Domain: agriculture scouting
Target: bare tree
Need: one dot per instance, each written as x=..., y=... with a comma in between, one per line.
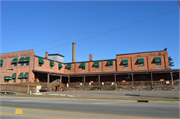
x=171, y=63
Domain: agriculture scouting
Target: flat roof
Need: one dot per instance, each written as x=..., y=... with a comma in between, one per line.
x=140, y=52
x=55, y=54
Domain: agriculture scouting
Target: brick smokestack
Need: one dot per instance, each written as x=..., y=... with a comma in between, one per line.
x=46, y=55
x=90, y=57
x=74, y=52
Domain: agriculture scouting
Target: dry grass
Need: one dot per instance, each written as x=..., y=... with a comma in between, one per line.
x=117, y=98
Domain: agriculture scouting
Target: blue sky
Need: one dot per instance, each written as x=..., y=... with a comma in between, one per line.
x=100, y=28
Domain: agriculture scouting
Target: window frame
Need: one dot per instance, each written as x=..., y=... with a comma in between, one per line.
x=140, y=64
x=26, y=63
x=110, y=66
x=51, y=66
x=21, y=64
x=158, y=64
x=125, y=65
x=83, y=68
x=96, y=67
x=40, y=64
x=14, y=64
x=69, y=69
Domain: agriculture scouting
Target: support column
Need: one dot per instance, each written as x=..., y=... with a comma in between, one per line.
x=115, y=82
x=60, y=82
x=68, y=81
x=151, y=81
x=84, y=80
x=172, y=80
x=132, y=80
x=48, y=81
x=99, y=81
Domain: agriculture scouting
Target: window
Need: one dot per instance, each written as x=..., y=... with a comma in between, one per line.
x=157, y=61
x=27, y=80
x=15, y=64
x=14, y=80
x=110, y=66
x=21, y=80
x=59, y=68
x=40, y=65
x=51, y=67
x=125, y=65
x=22, y=64
x=140, y=64
x=1, y=63
x=83, y=68
x=96, y=67
x=69, y=69
x=27, y=63
x=158, y=64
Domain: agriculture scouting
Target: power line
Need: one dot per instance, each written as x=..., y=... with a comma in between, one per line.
x=110, y=30
x=60, y=17
x=100, y=28
x=46, y=15
x=40, y=12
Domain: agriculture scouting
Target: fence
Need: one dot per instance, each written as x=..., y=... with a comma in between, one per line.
x=18, y=88
x=129, y=83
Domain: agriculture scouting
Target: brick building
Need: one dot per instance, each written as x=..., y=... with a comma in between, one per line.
x=24, y=66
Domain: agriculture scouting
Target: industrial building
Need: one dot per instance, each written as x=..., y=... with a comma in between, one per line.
x=125, y=69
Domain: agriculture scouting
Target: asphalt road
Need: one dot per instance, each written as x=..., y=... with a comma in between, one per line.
x=89, y=107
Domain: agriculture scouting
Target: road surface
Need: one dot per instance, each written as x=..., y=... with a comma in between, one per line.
x=66, y=108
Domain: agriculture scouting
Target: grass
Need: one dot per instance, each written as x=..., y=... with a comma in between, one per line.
x=117, y=98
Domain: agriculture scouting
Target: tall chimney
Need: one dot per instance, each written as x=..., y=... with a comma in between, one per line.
x=46, y=55
x=74, y=52
x=90, y=57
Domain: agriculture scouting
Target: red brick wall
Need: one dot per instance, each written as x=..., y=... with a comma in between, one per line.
x=148, y=61
x=8, y=57
x=46, y=66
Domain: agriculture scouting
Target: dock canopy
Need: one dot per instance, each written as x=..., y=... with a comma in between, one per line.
x=7, y=77
x=27, y=59
x=140, y=60
x=52, y=63
x=68, y=66
x=26, y=75
x=14, y=60
x=20, y=75
x=41, y=61
x=82, y=65
x=60, y=65
x=157, y=59
x=125, y=61
x=110, y=62
x=14, y=76
x=96, y=63
x=21, y=59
